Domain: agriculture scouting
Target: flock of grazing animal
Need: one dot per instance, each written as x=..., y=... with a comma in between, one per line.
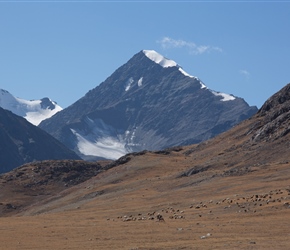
x=274, y=199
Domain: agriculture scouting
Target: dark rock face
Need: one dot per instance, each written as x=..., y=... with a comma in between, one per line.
x=274, y=117
x=144, y=106
x=21, y=142
x=279, y=102
x=46, y=103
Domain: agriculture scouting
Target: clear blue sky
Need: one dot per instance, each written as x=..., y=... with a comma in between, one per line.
x=62, y=49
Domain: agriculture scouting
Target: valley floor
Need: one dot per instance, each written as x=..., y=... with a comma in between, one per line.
x=236, y=212
x=92, y=230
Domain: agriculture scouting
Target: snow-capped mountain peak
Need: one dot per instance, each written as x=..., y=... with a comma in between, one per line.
x=159, y=59
x=166, y=63
x=149, y=103
x=33, y=111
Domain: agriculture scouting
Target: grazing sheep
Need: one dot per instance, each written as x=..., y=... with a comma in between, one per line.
x=159, y=217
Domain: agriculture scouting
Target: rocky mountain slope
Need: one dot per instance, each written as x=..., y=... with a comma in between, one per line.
x=22, y=142
x=148, y=103
x=33, y=111
x=230, y=192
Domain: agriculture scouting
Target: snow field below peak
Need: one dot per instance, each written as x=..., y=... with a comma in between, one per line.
x=106, y=147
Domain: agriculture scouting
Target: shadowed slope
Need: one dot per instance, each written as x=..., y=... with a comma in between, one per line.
x=22, y=142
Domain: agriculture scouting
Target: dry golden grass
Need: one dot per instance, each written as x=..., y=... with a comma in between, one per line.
x=238, y=199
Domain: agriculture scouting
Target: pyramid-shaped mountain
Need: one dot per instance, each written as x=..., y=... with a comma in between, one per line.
x=148, y=103
x=21, y=142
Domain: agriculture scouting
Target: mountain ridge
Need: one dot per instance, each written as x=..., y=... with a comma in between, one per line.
x=33, y=111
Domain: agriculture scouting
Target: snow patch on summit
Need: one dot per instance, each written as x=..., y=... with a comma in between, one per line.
x=166, y=63
x=159, y=59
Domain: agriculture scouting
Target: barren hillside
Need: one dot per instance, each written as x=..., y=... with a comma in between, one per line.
x=231, y=192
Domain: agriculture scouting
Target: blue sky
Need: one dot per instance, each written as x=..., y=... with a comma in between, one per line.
x=62, y=49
